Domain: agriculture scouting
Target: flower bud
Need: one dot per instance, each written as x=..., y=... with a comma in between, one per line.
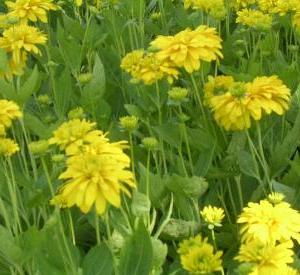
x=76, y=113
x=39, y=147
x=58, y=158
x=44, y=99
x=150, y=143
x=129, y=123
x=85, y=78
x=178, y=94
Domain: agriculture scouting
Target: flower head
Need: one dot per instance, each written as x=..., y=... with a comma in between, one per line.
x=197, y=256
x=95, y=177
x=8, y=147
x=129, y=122
x=18, y=39
x=212, y=215
x=255, y=19
x=74, y=134
x=266, y=258
x=189, y=47
x=267, y=223
x=276, y=197
x=9, y=111
x=30, y=10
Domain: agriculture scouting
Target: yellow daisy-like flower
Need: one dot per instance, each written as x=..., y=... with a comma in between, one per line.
x=96, y=177
x=21, y=38
x=278, y=6
x=255, y=19
x=197, y=256
x=74, y=134
x=242, y=101
x=267, y=259
x=9, y=111
x=216, y=86
x=30, y=10
x=267, y=223
x=8, y=147
x=213, y=216
x=242, y=3
x=147, y=67
x=270, y=94
x=189, y=47
x=15, y=68
x=215, y=8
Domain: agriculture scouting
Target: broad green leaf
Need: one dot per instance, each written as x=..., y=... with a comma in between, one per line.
x=170, y=133
x=30, y=86
x=247, y=164
x=98, y=261
x=136, y=255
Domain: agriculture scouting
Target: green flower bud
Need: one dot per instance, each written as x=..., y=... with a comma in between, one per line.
x=129, y=123
x=150, y=143
x=58, y=158
x=39, y=147
x=44, y=99
x=177, y=95
x=76, y=113
x=85, y=78
x=160, y=251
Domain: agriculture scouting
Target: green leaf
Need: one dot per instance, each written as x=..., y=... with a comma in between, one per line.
x=247, y=164
x=140, y=204
x=7, y=89
x=63, y=87
x=136, y=255
x=30, y=86
x=36, y=126
x=170, y=133
x=9, y=249
x=98, y=261
x=284, y=150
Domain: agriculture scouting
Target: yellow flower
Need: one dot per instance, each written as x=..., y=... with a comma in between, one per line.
x=278, y=6
x=15, y=68
x=267, y=259
x=242, y=3
x=8, y=112
x=270, y=94
x=217, y=85
x=74, y=134
x=212, y=215
x=242, y=101
x=147, y=67
x=267, y=223
x=30, y=10
x=21, y=38
x=197, y=256
x=255, y=19
x=8, y=147
x=2, y=130
x=189, y=47
x=96, y=177
x=215, y=8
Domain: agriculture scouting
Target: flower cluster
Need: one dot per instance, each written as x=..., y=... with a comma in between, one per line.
x=9, y=111
x=215, y=8
x=267, y=232
x=97, y=169
x=186, y=49
x=234, y=104
x=19, y=38
x=197, y=256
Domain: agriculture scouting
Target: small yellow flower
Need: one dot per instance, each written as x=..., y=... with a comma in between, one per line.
x=267, y=258
x=30, y=10
x=267, y=223
x=213, y=216
x=74, y=134
x=242, y=3
x=18, y=39
x=255, y=19
x=278, y=6
x=189, y=48
x=8, y=147
x=9, y=111
x=197, y=256
x=95, y=177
